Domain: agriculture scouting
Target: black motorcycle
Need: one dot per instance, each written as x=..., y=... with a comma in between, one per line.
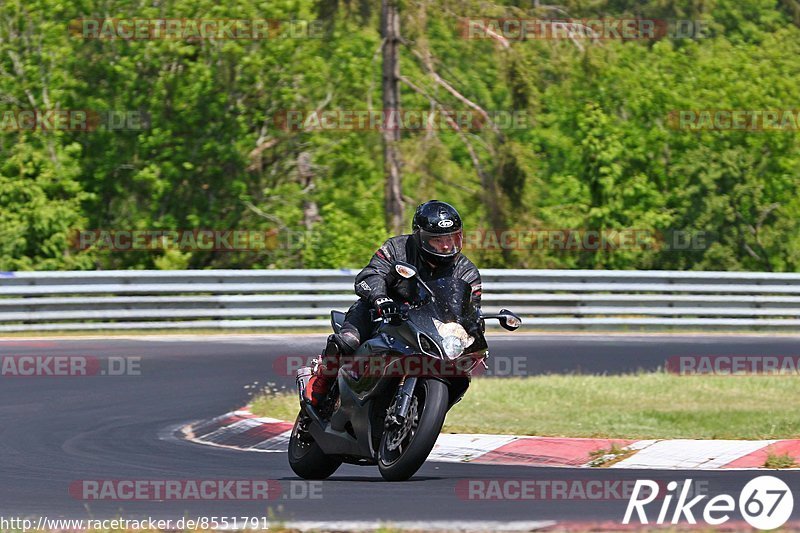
x=390, y=398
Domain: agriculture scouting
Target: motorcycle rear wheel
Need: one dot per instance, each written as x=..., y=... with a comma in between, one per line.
x=398, y=462
x=306, y=458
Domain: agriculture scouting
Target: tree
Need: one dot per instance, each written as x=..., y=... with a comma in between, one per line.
x=390, y=32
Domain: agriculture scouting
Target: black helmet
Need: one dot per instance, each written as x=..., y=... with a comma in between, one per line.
x=437, y=231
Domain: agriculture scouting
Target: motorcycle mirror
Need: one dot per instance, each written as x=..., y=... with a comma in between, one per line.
x=405, y=270
x=509, y=320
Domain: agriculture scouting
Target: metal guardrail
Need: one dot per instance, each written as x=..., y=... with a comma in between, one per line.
x=285, y=299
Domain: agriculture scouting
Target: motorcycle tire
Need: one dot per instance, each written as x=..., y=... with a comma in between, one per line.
x=403, y=462
x=306, y=458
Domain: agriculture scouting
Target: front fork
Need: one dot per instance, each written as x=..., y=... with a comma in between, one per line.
x=405, y=392
x=402, y=402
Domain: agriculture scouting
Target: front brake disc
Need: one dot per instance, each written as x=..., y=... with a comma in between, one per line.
x=398, y=434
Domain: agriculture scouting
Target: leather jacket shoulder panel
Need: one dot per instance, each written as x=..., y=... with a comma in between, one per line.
x=371, y=282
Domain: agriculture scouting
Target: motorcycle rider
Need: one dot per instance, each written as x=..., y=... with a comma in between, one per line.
x=434, y=248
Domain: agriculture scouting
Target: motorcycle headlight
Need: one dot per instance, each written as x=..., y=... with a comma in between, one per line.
x=452, y=346
x=455, y=338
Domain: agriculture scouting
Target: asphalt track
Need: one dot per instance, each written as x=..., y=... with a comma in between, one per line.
x=56, y=430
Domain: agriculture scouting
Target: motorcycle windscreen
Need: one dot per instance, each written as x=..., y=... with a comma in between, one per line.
x=452, y=302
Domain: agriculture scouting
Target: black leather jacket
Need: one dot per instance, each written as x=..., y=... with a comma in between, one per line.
x=371, y=282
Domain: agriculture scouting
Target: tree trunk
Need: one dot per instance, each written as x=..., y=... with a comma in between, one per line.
x=393, y=196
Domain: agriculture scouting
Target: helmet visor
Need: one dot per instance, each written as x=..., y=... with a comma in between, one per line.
x=441, y=244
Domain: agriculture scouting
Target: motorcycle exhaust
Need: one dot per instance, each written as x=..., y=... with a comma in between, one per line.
x=304, y=374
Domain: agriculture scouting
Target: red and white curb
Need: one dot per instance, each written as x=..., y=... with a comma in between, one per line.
x=242, y=430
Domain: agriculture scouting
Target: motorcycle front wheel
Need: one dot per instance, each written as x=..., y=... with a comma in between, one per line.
x=306, y=458
x=405, y=448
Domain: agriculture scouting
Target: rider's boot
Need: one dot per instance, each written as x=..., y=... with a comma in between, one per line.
x=324, y=376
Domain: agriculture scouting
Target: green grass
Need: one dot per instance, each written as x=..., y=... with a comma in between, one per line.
x=783, y=460
x=641, y=406
x=606, y=458
x=281, y=405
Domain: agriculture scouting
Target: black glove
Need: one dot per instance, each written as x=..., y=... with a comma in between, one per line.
x=387, y=307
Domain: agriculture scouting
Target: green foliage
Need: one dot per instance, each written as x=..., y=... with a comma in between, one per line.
x=39, y=206
x=598, y=151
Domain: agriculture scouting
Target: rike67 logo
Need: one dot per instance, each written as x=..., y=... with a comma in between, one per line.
x=765, y=503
